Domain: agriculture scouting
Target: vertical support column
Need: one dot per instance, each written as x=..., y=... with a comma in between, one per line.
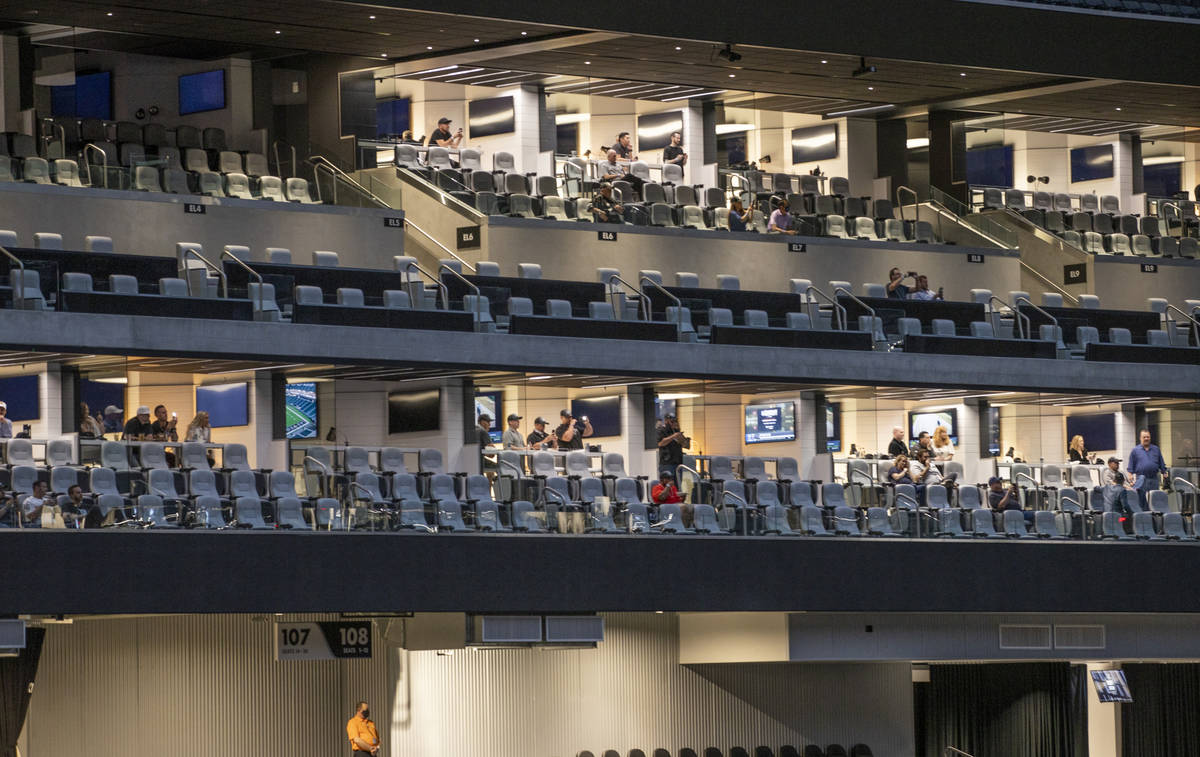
x=860, y=155
x=815, y=461
x=700, y=168
x=891, y=157
x=10, y=84
x=638, y=419
x=1104, y=721
x=948, y=153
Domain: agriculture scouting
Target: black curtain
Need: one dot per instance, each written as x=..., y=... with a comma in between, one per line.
x=16, y=686
x=1161, y=720
x=1013, y=709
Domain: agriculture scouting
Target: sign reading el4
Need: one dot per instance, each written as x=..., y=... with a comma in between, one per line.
x=323, y=640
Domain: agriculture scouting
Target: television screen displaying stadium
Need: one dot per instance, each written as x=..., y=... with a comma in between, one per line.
x=300, y=405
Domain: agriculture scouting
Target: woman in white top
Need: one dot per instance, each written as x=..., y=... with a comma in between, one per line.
x=198, y=430
x=943, y=448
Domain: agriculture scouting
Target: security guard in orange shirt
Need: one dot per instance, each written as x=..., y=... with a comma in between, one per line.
x=361, y=730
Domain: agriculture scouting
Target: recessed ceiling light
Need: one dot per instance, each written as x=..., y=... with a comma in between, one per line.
x=871, y=88
x=731, y=76
x=677, y=47
x=429, y=47
x=372, y=18
x=108, y=14
x=824, y=61
x=961, y=74
x=587, y=63
x=278, y=32
x=524, y=33
x=1118, y=107
x=385, y=55
x=476, y=40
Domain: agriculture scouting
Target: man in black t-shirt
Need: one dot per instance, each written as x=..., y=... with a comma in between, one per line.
x=604, y=208
x=671, y=444
x=571, y=432
x=539, y=438
x=624, y=146
x=139, y=426
x=442, y=136
x=673, y=153
x=897, y=445
x=485, y=441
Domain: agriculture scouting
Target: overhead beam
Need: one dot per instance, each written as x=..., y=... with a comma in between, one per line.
x=490, y=53
x=991, y=100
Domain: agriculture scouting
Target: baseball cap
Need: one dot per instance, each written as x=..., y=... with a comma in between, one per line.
x=538, y=420
x=113, y=410
x=143, y=410
x=4, y=405
x=1114, y=459
x=995, y=480
x=443, y=120
x=564, y=413
x=514, y=417
x=484, y=417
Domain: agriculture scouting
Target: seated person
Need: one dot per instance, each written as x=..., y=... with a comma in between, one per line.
x=610, y=170
x=781, y=219
x=442, y=136
x=1108, y=476
x=139, y=427
x=7, y=510
x=1114, y=493
x=666, y=493
x=74, y=511
x=32, y=506
x=898, y=473
x=922, y=291
x=896, y=289
x=738, y=216
x=89, y=427
x=1001, y=499
x=604, y=209
x=163, y=428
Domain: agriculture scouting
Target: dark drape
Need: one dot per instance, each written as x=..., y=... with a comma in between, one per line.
x=1161, y=720
x=1011, y=709
x=16, y=685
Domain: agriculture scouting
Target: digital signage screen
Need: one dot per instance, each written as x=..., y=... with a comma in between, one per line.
x=775, y=422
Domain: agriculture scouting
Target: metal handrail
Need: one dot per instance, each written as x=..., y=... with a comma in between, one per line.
x=88, y=164
x=956, y=751
x=1039, y=309
x=900, y=203
x=18, y=291
x=839, y=309
x=478, y=301
x=1018, y=316
x=643, y=302
x=46, y=140
x=563, y=500
x=1032, y=480
x=1048, y=282
x=412, y=264
x=320, y=162
x=1185, y=481
x=860, y=303
x=251, y=271
x=1178, y=210
x=689, y=469
x=275, y=150
x=441, y=246
x=1195, y=323
x=659, y=287
x=191, y=252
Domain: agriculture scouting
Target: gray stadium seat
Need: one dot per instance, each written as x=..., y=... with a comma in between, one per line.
x=211, y=185
x=983, y=526
x=297, y=190
x=350, y=297
x=66, y=173
x=237, y=185
x=558, y=308
x=325, y=259
x=1089, y=301
x=271, y=188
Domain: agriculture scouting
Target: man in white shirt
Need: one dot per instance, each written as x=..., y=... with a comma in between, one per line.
x=31, y=508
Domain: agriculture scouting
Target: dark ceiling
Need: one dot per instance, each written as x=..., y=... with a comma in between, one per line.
x=768, y=78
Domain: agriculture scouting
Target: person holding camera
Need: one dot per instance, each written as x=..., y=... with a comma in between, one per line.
x=571, y=432
x=896, y=288
x=671, y=444
x=1001, y=499
x=441, y=137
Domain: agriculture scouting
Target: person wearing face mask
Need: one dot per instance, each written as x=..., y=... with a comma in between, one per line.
x=361, y=731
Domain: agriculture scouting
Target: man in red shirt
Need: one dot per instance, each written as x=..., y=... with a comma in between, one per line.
x=666, y=493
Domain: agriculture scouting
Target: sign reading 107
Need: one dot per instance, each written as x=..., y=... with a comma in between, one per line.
x=325, y=640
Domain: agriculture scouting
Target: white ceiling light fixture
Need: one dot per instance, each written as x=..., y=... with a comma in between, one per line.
x=869, y=109
x=695, y=94
x=1159, y=160
x=917, y=143
x=733, y=128
x=571, y=118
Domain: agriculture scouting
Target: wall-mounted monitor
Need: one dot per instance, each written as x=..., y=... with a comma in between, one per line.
x=20, y=393
x=393, y=117
x=487, y=118
x=89, y=97
x=1091, y=163
x=492, y=403
x=993, y=437
x=300, y=407
x=833, y=427
x=813, y=143
x=654, y=129
x=1099, y=430
x=928, y=420
x=1111, y=686
x=990, y=166
x=1162, y=179
x=414, y=411
x=604, y=413
x=201, y=92
x=775, y=422
x=226, y=404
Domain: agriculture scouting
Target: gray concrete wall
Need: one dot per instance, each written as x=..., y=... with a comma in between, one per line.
x=571, y=250
x=150, y=224
x=1121, y=282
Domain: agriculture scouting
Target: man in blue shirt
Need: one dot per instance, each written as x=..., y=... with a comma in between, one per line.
x=1147, y=462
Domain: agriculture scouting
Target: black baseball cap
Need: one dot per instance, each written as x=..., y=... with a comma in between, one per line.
x=538, y=420
x=995, y=480
x=443, y=120
x=485, y=417
x=514, y=417
x=1114, y=459
x=564, y=413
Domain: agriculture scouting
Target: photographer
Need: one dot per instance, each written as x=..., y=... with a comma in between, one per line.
x=1001, y=499
x=671, y=444
x=442, y=137
x=571, y=432
x=896, y=288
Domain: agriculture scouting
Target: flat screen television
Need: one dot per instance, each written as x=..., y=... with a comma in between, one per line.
x=990, y=166
x=89, y=97
x=1111, y=686
x=1091, y=163
x=931, y=419
x=201, y=92
x=492, y=403
x=774, y=422
x=993, y=442
x=604, y=413
x=300, y=407
x=1099, y=430
x=419, y=410
x=226, y=404
x=20, y=393
x=813, y=143
x=663, y=408
x=487, y=118
x=1162, y=180
x=392, y=117
x=833, y=427
x=654, y=129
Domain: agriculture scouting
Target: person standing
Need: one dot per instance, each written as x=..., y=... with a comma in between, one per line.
x=673, y=153
x=441, y=137
x=1146, y=461
x=485, y=442
x=897, y=446
x=539, y=438
x=89, y=427
x=512, y=435
x=198, y=430
x=624, y=147
x=671, y=444
x=5, y=423
x=570, y=432
x=361, y=731
x=943, y=448
x=896, y=288
x=1077, y=452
